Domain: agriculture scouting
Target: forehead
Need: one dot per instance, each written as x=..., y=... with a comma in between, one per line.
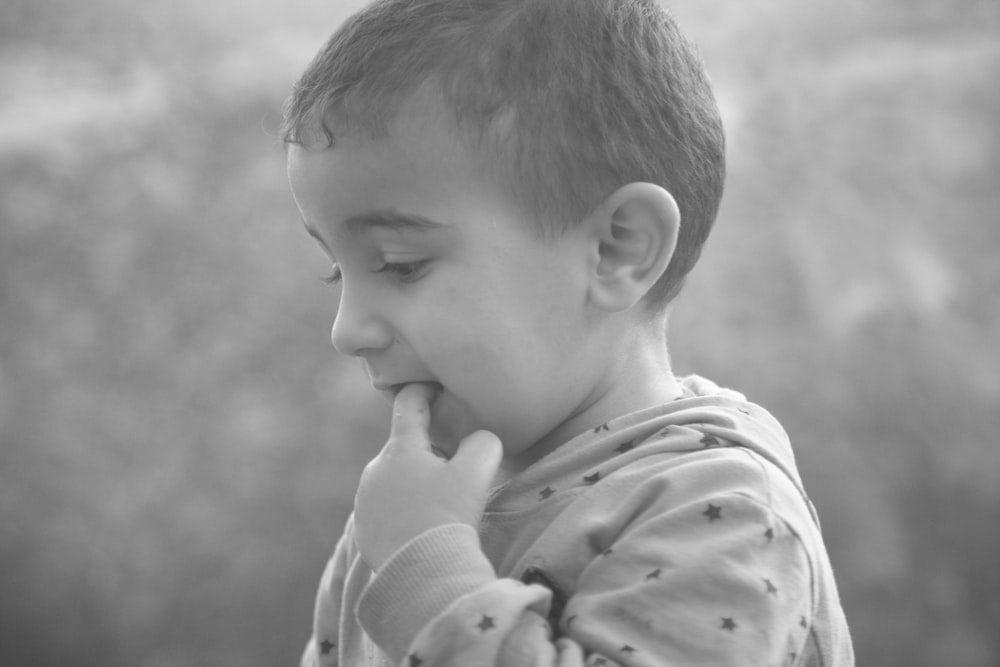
x=420, y=165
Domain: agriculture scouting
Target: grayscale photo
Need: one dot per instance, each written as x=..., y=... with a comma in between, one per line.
x=475, y=333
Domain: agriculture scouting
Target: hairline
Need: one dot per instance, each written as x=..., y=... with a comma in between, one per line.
x=525, y=154
x=320, y=124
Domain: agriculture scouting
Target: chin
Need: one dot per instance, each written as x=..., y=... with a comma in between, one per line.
x=450, y=423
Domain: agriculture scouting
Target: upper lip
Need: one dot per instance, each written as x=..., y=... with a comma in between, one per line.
x=389, y=386
x=396, y=387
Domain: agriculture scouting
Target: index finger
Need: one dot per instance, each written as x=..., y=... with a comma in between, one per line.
x=411, y=411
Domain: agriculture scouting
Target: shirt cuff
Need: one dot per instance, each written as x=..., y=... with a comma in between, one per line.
x=422, y=579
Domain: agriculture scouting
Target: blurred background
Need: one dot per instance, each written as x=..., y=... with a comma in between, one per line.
x=179, y=445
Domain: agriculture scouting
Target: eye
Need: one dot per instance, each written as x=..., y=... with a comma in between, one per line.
x=406, y=272
x=334, y=276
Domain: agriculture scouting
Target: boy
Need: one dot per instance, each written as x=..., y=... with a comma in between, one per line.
x=511, y=192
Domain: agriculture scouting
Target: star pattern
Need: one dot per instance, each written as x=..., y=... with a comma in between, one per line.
x=625, y=446
x=712, y=513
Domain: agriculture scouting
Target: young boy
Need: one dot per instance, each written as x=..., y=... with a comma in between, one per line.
x=511, y=193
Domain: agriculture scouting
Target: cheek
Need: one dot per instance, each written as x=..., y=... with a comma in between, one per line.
x=494, y=356
x=480, y=377
x=492, y=353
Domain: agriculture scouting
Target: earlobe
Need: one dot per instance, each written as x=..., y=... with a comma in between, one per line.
x=635, y=231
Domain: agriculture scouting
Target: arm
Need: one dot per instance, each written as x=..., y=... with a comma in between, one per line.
x=326, y=617
x=676, y=588
x=708, y=574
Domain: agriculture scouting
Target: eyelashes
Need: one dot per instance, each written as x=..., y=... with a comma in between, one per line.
x=404, y=272
x=334, y=278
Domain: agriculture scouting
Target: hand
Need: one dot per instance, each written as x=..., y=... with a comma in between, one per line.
x=408, y=489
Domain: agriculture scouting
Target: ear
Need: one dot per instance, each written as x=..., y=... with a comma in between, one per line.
x=635, y=232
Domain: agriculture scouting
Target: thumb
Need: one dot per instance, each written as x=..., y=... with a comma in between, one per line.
x=478, y=458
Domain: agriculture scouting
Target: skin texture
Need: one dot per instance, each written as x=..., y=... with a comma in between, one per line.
x=449, y=491
x=533, y=342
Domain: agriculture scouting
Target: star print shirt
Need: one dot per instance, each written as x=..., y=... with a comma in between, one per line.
x=677, y=535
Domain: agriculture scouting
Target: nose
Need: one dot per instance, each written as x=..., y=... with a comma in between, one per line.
x=358, y=327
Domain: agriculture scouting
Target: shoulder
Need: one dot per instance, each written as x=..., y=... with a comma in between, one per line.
x=723, y=481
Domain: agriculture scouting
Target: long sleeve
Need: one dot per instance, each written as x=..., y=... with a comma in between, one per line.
x=680, y=535
x=322, y=648
x=426, y=592
x=721, y=580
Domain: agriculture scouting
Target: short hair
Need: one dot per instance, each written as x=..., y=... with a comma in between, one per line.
x=575, y=98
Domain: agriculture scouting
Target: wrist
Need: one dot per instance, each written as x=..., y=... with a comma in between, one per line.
x=419, y=581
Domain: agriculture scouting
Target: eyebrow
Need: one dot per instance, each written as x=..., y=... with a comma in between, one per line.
x=383, y=219
x=393, y=220
x=313, y=233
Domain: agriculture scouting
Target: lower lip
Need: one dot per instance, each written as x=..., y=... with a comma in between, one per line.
x=390, y=393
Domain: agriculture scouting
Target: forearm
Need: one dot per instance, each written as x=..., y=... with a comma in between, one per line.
x=437, y=601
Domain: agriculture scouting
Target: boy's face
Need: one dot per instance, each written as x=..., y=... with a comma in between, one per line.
x=443, y=280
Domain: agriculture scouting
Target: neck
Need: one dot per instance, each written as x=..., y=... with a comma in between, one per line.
x=638, y=377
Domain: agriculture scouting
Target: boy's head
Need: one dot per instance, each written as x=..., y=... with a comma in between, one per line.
x=492, y=181
x=566, y=101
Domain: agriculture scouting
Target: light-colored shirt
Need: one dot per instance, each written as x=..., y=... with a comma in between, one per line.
x=677, y=535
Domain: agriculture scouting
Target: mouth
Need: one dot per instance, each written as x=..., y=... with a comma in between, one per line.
x=389, y=391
